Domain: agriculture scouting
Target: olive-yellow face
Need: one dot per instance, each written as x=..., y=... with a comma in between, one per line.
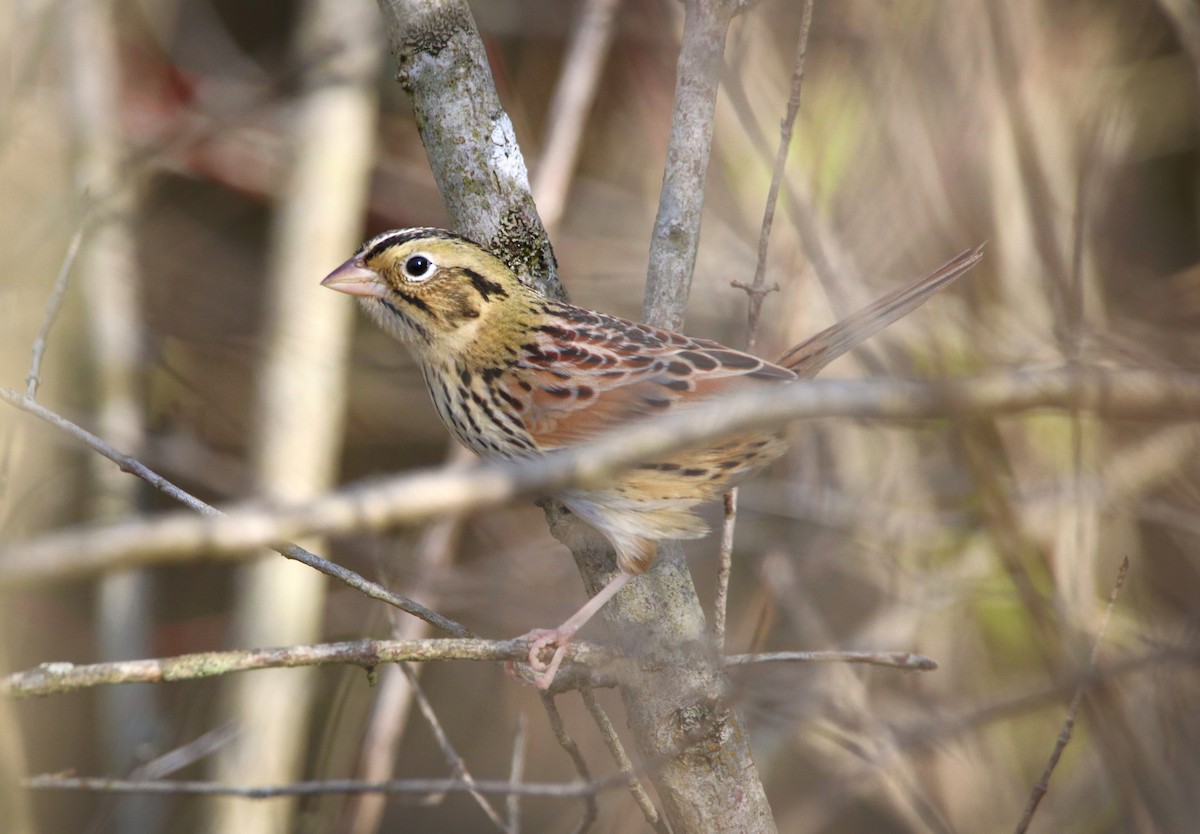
x=427, y=287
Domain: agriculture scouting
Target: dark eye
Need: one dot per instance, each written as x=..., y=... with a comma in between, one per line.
x=417, y=267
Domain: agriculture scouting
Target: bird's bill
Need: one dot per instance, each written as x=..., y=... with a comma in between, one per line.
x=354, y=278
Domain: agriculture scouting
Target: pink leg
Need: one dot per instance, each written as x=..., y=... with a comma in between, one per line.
x=561, y=637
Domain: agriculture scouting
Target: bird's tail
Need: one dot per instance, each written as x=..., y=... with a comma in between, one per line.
x=810, y=356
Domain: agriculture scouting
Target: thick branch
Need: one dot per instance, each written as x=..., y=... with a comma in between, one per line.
x=468, y=137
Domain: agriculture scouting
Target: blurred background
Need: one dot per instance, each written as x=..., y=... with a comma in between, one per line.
x=170, y=145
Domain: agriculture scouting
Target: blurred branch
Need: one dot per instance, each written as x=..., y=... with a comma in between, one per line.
x=53, y=306
x=516, y=772
x=1185, y=18
x=1043, y=783
x=299, y=554
x=573, y=98
x=334, y=786
x=900, y=660
x=299, y=390
x=407, y=499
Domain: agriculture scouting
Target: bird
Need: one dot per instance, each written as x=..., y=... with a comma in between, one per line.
x=515, y=374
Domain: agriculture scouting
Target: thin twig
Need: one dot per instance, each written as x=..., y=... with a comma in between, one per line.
x=572, y=750
x=758, y=290
x=457, y=766
x=291, y=551
x=516, y=773
x=53, y=307
x=609, y=733
x=185, y=755
x=1064, y=737
x=899, y=660
x=566, y=790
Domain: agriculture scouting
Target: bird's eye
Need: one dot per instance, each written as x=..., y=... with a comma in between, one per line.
x=417, y=268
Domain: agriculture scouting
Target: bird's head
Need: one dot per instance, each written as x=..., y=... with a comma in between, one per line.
x=431, y=288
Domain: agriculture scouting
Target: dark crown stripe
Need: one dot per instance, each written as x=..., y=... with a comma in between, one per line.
x=385, y=241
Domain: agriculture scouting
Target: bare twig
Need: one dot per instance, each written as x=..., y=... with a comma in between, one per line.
x=757, y=289
x=1064, y=737
x=1131, y=394
x=185, y=755
x=609, y=733
x=457, y=766
x=57, y=678
x=572, y=750
x=900, y=660
x=53, y=306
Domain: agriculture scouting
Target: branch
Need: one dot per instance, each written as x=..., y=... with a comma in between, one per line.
x=677, y=226
x=566, y=790
x=1064, y=737
x=413, y=498
x=58, y=678
x=468, y=137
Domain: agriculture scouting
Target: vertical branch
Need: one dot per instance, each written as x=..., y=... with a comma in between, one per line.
x=757, y=290
x=677, y=226
x=301, y=388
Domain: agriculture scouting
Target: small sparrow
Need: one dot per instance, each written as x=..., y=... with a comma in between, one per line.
x=514, y=374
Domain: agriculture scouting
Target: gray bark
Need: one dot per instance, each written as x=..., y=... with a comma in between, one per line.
x=694, y=744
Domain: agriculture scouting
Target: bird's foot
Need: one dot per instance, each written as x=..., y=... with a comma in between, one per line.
x=543, y=638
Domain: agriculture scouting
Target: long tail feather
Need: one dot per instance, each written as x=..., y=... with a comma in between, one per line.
x=809, y=357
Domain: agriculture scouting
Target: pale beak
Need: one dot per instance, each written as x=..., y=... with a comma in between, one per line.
x=354, y=278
